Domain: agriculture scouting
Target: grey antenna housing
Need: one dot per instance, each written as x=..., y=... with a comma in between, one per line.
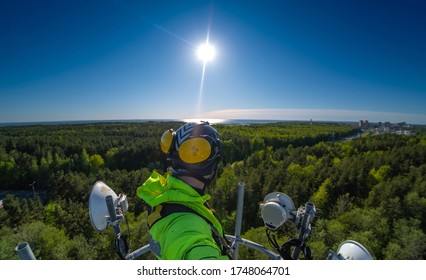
x=276, y=209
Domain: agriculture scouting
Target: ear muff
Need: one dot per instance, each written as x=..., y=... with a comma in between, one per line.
x=195, y=150
x=167, y=141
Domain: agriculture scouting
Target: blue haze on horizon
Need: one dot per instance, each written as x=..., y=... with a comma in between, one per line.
x=277, y=60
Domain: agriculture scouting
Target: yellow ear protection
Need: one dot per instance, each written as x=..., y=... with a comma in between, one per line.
x=192, y=150
x=167, y=140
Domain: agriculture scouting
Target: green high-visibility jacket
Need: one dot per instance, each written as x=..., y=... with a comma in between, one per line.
x=180, y=235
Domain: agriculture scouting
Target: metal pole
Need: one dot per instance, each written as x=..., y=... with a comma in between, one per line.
x=309, y=206
x=253, y=245
x=112, y=214
x=120, y=243
x=135, y=254
x=239, y=217
x=24, y=251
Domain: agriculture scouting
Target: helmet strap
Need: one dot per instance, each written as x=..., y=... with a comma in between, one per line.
x=184, y=172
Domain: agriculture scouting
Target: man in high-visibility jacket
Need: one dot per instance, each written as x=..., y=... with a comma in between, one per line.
x=182, y=226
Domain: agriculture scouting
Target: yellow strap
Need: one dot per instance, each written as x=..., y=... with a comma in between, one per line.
x=155, y=215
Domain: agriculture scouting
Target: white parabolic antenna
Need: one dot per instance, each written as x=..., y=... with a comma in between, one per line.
x=352, y=250
x=98, y=210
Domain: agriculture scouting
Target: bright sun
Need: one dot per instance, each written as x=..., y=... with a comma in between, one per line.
x=206, y=52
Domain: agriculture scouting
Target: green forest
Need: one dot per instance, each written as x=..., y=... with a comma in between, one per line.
x=371, y=189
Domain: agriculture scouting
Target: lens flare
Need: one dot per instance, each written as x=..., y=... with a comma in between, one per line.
x=206, y=53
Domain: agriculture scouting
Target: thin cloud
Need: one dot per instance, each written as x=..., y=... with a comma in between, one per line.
x=316, y=115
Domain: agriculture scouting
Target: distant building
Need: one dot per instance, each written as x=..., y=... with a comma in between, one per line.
x=363, y=124
x=401, y=128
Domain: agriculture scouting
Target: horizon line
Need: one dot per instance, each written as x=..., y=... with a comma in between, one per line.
x=211, y=121
x=326, y=115
x=301, y=115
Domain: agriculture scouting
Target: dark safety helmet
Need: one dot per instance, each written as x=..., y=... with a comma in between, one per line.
x=194, y=149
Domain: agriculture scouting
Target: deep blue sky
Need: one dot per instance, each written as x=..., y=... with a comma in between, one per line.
x=287, y=59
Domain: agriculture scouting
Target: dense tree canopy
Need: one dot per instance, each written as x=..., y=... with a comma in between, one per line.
x=371, y=189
